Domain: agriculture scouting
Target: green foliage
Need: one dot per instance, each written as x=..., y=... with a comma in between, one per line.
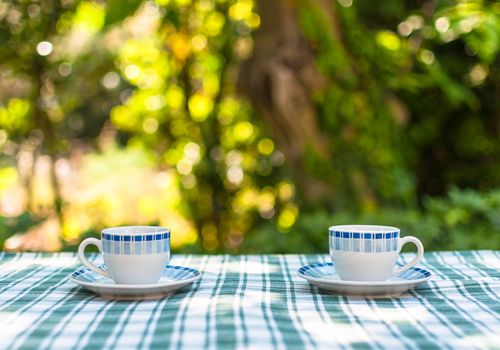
x=184, y=109
x=405, y=86
x=465, y=219
x=118, y=10
x=12, y=225
x=409, y=107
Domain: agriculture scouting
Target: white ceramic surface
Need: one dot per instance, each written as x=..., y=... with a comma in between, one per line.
x=132, y=254
x=369, y=252
x=172, y=279
x=325, y=276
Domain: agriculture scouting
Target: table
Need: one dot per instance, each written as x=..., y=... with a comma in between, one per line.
x=250, y=301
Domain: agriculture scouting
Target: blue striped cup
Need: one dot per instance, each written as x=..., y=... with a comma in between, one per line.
x=369, y=252
x=132, y=254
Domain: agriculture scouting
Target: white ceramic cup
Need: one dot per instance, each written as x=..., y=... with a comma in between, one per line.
x=369, y=252
x=132, y=254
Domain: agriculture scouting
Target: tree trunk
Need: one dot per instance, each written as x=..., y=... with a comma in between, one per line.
x=279, y=80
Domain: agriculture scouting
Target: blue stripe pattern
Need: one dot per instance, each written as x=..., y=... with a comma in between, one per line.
x=136, y=238
x=364, y=235
x=320, y=270
x=145, y=244
x=171, y=272
x=367, y=242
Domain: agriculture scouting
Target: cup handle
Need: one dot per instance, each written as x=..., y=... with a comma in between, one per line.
x=81, y=255
x=420, y=253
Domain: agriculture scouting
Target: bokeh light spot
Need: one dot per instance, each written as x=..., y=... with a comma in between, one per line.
x=154, y=103
x=65, y=69
x=478, y=74
x=243, y=131
x=265, y=146
x=442, y=24
x=287, y=218
x=199, y=42
x=111, y=80
x=200, y=107
x=345, y=3
x=132, y=71
x=404, y=28
x=234, y=158
x=389, y=40
x=240, y=10
x=286, y=191
x=150, y=125
x=253, y=21
x=44, y=48
x=214, y=23
x=184, y=166
x=175, y=97
x=426, y=56
x=266, y=201
x=192, y=152
x=235, y=175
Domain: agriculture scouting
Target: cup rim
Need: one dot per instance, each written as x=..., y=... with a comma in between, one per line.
x=364, y=228
x=134, y=230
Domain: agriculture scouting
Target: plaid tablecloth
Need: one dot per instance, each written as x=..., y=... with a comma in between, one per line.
x=255, y=302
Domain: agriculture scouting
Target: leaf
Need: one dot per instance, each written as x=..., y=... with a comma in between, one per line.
x=118, y=10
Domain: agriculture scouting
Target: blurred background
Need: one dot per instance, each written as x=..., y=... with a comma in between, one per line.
x=249, y=126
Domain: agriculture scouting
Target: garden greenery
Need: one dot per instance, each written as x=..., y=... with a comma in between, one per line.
x=133, y=112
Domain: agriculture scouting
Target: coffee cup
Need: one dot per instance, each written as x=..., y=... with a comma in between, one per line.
x=369, y=252
x=132, y=254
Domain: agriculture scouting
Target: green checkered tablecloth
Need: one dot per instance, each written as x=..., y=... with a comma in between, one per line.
x=250, y=301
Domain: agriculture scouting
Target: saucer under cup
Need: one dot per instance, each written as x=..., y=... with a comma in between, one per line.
x=369, y=252
x=173, y=278
x=132, y=254
x=324, y=276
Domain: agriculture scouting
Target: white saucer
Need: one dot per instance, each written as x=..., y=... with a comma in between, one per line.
x=324, y=276
x=173, y=278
